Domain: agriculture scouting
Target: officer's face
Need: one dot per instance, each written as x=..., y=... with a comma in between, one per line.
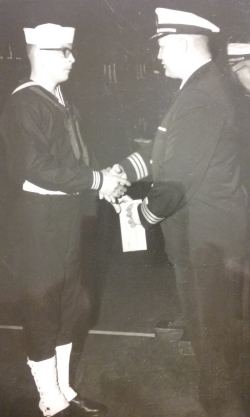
x=57, y=63
x=242, y=70
x=169, y=54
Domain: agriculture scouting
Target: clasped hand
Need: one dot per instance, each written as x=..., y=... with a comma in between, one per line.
x=118, y=172
x=114, y=185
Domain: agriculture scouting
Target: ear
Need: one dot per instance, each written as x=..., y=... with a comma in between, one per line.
x=37, y=53
x=183, y=45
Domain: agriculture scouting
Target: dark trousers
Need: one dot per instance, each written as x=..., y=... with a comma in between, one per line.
x=215, y=331
x=45, y=241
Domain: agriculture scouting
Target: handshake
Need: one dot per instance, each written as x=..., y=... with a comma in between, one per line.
x=113, y=190
x=114, y=186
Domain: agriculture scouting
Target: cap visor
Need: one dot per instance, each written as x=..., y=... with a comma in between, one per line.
x=160, y=35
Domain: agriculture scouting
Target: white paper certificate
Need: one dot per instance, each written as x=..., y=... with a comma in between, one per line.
x=133, y=238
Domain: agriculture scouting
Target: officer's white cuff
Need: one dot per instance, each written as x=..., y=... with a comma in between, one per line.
x=139, y=165
x=149, y=216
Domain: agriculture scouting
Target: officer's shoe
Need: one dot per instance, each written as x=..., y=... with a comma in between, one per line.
x=87, y=408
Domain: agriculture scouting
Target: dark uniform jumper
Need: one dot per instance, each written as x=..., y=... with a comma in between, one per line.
x=198, y=198
x=45, y=150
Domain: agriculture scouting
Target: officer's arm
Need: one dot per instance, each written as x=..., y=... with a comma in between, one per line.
x=191, y=139
x=138, y=165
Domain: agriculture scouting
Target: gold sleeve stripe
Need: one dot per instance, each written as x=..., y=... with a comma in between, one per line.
x=139, y=165
x=149, y=216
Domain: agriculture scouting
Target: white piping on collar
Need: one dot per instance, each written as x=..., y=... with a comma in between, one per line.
x=28, y=84
x=58, y=93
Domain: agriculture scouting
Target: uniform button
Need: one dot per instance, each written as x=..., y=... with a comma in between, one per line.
x=151, y=161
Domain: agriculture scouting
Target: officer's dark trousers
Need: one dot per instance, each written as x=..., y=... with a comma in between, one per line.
x=215, y=331
x=45, y=234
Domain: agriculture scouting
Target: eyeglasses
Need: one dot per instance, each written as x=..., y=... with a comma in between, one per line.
x=66, y=51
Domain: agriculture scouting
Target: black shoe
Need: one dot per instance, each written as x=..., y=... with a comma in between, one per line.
x=87, y=408
x=179, y=323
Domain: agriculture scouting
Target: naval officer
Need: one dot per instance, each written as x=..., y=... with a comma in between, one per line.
x=198, y=199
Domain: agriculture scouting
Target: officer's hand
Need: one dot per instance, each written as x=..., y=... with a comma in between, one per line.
x=132, y=214
x=118, y=170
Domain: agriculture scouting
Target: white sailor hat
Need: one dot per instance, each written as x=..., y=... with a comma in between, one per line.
x=238, y=52
x=49, y=35
x=178, y=22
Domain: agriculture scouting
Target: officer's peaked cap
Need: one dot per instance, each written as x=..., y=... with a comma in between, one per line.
x=179, y=22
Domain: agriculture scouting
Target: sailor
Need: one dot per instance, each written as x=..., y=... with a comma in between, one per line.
x=55, y=176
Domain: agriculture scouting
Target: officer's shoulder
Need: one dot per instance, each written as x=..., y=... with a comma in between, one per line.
x=193, y=97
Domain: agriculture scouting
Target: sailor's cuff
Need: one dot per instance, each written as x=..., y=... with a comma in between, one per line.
x=97, y=180
x=147, y=217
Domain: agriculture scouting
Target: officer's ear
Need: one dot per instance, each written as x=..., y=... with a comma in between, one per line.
x=182, y=45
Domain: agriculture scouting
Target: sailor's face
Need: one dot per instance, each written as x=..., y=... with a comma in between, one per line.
x=168, y=54
x=58, y=63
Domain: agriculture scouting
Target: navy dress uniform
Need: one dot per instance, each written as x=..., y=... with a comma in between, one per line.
x=55, y=177
x=198, y=199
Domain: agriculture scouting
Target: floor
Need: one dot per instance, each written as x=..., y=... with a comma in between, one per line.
x=135, y=368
